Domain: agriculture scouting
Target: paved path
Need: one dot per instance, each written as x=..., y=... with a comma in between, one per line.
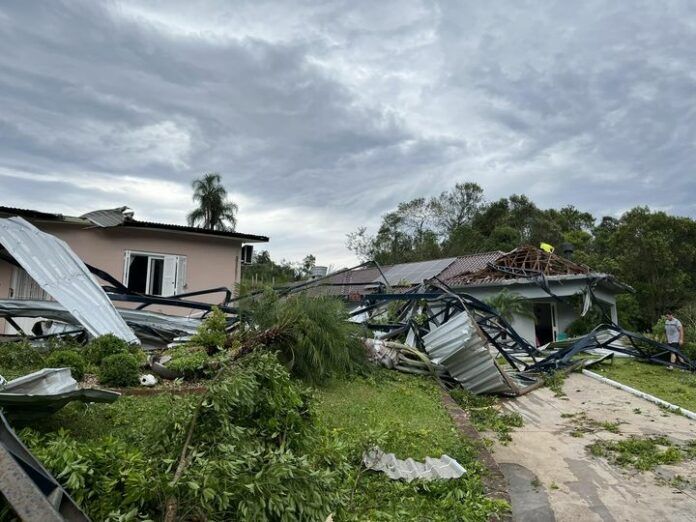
x=580, y=487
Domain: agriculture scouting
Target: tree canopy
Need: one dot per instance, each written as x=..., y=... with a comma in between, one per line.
x=650, y=250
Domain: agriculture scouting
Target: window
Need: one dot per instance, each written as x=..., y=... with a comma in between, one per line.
x=154, y=274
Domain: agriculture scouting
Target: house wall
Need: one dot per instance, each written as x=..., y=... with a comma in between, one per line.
x=211, y=261
x=565, y=313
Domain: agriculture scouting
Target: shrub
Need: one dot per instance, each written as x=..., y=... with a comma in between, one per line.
x=106, y=477
x=70, y=359
x=251, y=458
x=104, y=346
x=212, y=333
x=318, y=339
x=119, y=369
x=689, y=349
x=190, y=361
x=19, y=356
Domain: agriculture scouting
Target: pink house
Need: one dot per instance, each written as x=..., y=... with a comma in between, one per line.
x=151, y=258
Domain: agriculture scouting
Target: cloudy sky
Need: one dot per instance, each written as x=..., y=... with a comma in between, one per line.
x=323, y=115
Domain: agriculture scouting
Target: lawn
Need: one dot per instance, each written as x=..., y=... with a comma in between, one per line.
x=674, y=386
x=404, y=415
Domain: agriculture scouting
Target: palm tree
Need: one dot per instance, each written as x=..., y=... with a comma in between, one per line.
x=508, y=304
x=214, y=211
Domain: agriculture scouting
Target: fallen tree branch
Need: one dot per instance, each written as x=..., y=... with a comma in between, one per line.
x=247, y=347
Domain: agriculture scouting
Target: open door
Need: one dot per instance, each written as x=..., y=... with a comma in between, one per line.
x=545, y=323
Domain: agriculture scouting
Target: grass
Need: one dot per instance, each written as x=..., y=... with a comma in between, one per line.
x=404, y=415
x=485, y=414
x=582, y=424
x=674, y=386
x=643, y=453
x=554, y=381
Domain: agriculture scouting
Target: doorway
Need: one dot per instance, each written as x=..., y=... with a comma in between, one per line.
x=544, y=323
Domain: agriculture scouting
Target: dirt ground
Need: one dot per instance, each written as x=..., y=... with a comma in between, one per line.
x=552, y=475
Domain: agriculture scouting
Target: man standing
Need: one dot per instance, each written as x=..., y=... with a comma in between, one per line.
x=675, y=335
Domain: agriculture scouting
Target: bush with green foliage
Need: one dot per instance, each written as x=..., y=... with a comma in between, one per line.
x=212, y=333
x=108, y=478
x=19, y=356
x=250, y=459
x=119, y=369
x=318, y=341
x=189, y=361
x=104, y=346
x=68, y=359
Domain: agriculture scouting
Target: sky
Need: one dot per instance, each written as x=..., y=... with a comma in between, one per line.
x=322, y=116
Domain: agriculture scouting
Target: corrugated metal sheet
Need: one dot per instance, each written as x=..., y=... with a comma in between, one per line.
x=43, y=392
x=361, y=280
x=468, y=265
x=111, y=217
x=459, y=347
x=414, y=273
x=355, y=281
x=169, y=326
x=56, y=268
x=443, y=468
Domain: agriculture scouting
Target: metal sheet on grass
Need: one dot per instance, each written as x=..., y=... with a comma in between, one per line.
x=397, y=469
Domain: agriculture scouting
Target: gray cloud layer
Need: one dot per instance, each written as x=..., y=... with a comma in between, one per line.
x=323, y=115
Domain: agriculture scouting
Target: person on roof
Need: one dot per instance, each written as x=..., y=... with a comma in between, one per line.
x=675, y=335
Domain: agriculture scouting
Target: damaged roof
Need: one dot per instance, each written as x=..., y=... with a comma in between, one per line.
x=524, y=263
x=123, y=217
x=360, y=280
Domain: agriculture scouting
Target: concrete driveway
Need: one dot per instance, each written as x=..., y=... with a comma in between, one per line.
x=551, y=474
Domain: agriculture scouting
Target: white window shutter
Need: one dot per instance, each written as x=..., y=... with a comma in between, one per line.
x=126, y=266
x=169, y=276
x=181, y=275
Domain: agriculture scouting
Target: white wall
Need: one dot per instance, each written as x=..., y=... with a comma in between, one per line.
x=565, y=313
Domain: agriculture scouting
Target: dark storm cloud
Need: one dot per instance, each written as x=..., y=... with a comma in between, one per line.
x=322, y=116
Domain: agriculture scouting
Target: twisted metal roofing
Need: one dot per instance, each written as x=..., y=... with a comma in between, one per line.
x=462, y=350
x=63, y=275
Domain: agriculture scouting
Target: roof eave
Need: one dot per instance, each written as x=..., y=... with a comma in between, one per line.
x=608, y=279
x=180, y=229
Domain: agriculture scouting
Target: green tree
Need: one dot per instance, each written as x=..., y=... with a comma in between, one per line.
x=308, y=264
x=651, y=251
x=456, y=208
x=654, y=252
x=214, y=211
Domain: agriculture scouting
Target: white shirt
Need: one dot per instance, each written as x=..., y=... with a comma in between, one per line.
x=672, y=328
